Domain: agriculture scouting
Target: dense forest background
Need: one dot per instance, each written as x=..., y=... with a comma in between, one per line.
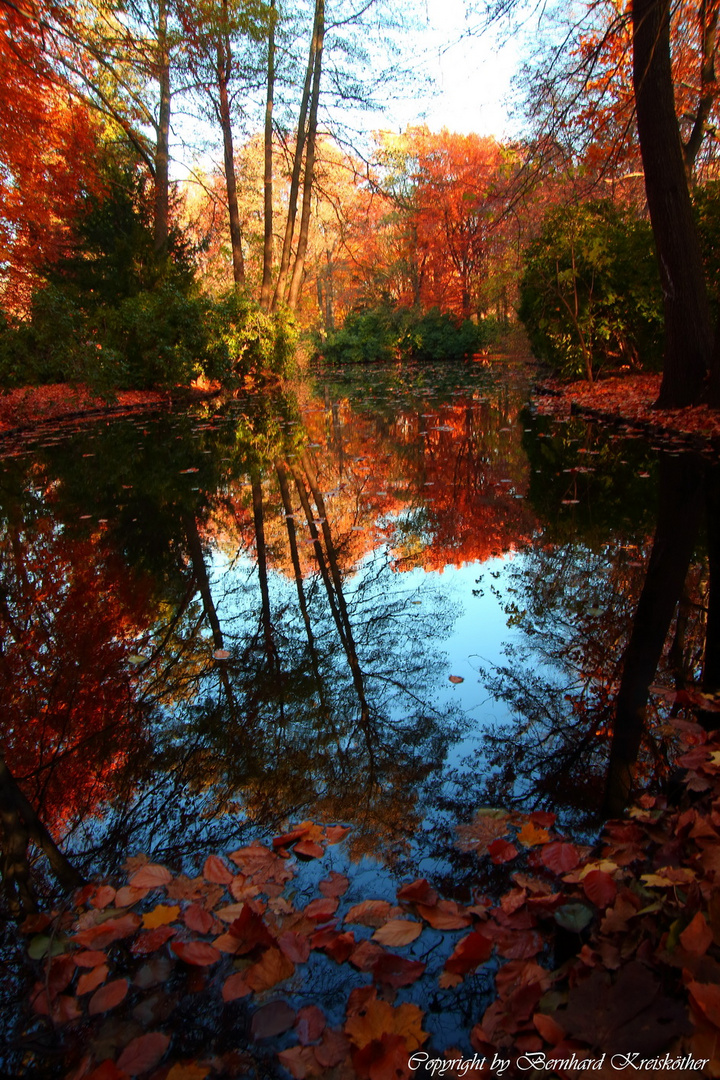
x=288, y=222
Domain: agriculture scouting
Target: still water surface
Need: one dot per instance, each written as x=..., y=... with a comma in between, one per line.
x=383, y=598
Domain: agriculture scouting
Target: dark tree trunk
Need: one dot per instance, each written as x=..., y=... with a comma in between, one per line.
x=679, y=515
x=224, y=64
x=688, y=331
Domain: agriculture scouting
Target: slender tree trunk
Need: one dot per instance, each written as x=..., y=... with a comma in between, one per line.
x=688, y=332
x=711, y=659
x=257, y=498
x=279, y=295
x=224, y=67
x=679, y=515
x=266, y=288
x=162, y=149
x=299, y=265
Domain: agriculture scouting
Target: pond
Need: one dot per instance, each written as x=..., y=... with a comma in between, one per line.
x=379, y=601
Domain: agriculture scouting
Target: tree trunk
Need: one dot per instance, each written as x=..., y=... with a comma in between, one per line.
x=266, y=288
x=162, y=149
x=688, y=333
x=279, y=295
x=224, y=65
x=299, y=266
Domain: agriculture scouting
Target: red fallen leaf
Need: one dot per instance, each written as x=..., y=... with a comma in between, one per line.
x=108, y=1070
x=341, y=947
x=151, y=876
x=295, y=946
x=111, y=930
x=272, y=1019
x=334, y=885
x=335, y=833
x=90, y=980
x=320, y=939
x=518, y=944
x=560, y=857
x=366, y=955
x=60, y=975
x=420, y=892
x=445, y=915
x=104, y=896
x=62, y=1010
x=697, y=937
x=543, y=818
x=215, y=870
x=549, y=1028
x=235, y=987
x=501, y=851
x=150, y=940
x=35, y=923
x=197, y=953
x=468, y=953
x=321, y=910
x=108, y=996
x=333, y=1048
x=198, y=918
x=600, y=888
x=250, y=931
x=310, y=1024
x=396, y=971
x=90, y=958
x=456, y=678
x=143, y=1053
x=309, y=849
x=300, y=1061
x=289, y=838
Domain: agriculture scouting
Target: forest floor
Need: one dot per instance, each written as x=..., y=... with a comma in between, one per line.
x=628, y=399
x=28, y=405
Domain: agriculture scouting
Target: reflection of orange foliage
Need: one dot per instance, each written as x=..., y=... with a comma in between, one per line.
x=460, y=475
x=69, y=619
x=46, y=146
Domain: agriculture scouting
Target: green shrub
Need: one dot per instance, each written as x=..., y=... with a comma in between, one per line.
x=255, y=342
x=590, y=296
x=386, y=333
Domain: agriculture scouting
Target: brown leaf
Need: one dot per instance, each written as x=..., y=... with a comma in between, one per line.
x=482, y=830
x=396, y=971
x=215, y=870
x=90, y=980
x=420, y=892
x=469, y=952
x=272, y=1019
x=600, y=888
x=335, y=833
x=103, y=897
x=334, y=885
x=235, y=987
x=197, y=953
x=310, y=1024
x=379, y=1019
x=295, y=946
x=560, y=857
x=321, y=909
x=549, y=1028
x=90, y=959
x=300, y=1062
x=108, y=996
x=197, y=918
x=142, y=1054
x=365, y=955
x=530, y=835
x=697, y=937
x=151, y=876
x=445, y=915
x=99, y=937
x=398, y=932
x=129, y=895
x=706, y=996
x=272, y=967
x=250, y=930
x=373, y=913
x=501, y=851
x=151, y=940
x=308, y=849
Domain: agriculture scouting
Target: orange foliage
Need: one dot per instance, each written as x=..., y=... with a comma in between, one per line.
x=47, y=142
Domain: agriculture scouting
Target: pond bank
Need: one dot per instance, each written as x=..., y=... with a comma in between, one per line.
x=630, y=400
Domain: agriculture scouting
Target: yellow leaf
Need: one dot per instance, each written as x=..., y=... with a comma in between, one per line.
x=379, y=1018
x=160, y=916
x=188, y=1071
x=530, y=835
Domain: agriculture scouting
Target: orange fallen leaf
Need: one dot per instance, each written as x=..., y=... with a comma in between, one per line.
x=108, y=996
x=90, y=980
x=160, y=916
x=398, y=932
x=151, y=876
x=197, y=953
x=272, y=967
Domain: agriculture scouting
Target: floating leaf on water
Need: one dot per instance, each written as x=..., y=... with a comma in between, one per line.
x=456, y=678
x=573, y=917
x=221, y=654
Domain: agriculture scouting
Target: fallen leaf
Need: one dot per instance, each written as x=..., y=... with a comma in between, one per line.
x=398, y=932
x=373, y=913
x=501, y=851
x=697, y=937
x=90, y=958
x=235, y=987
x=197, y=918
x=143, y=1053
x=419, y=891
x=560, y=857
x=272, y=1019
x=150, y=940
x=445, y=915
x=197, y=953
x=272, y=967
x=469, y=952
x=90, y=980
x=108, y=996
x=160, y=916
x=151, y=876
x=334, y=885
x=600, y=888
x=310, y=1024
x=215, y=870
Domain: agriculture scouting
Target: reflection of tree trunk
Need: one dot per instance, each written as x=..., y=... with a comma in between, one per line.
x=20, y=824
x=347, y=636
x=257, y=498
x=292, y=538
x=677, y=528
x=200, y=575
